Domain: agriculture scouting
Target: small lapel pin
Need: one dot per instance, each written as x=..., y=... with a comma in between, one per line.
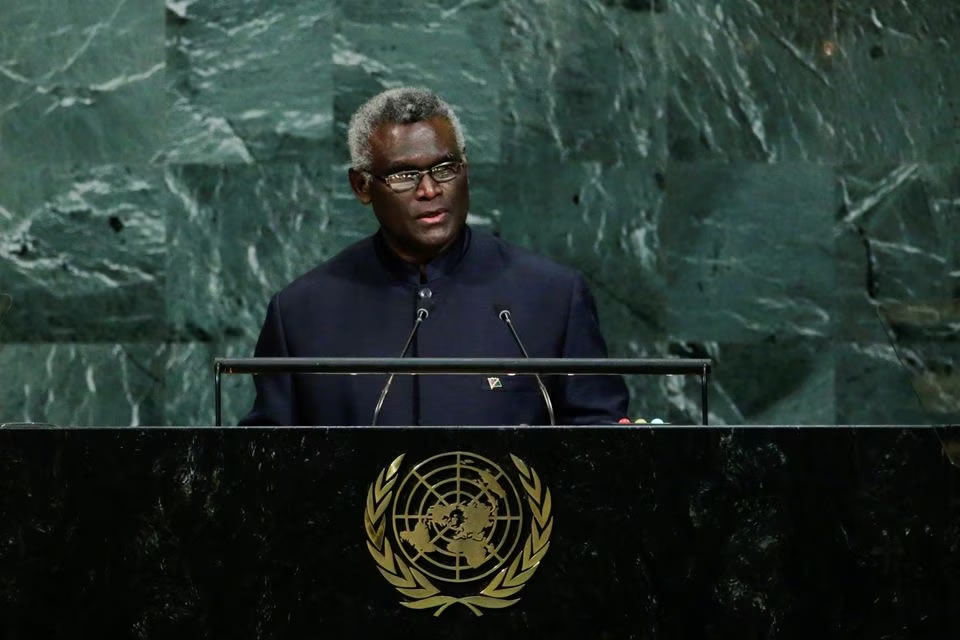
x=494, y=383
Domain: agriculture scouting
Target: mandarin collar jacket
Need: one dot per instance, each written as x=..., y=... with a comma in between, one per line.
x=362, y=303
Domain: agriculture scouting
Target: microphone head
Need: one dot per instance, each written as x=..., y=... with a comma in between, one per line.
x=425, y=302
x=501, y=310
x=424, y=309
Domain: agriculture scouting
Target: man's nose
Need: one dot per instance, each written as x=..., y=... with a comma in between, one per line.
x=428, y=188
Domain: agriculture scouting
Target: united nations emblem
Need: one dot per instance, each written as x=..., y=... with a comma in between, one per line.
x=457, y=520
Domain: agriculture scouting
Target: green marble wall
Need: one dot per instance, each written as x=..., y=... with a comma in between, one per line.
x=772, y=183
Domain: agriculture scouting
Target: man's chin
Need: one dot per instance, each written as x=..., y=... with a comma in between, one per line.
x=432, y=244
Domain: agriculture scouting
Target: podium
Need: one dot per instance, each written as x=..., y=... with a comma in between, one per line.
x=663, y=532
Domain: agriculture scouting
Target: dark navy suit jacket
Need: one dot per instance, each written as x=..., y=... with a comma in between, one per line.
x=362, y=303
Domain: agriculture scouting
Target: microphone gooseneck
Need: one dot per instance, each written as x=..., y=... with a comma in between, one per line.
x=504, y=314
x=422, y=314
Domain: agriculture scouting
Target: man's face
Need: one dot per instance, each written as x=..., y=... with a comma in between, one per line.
x=420, y=223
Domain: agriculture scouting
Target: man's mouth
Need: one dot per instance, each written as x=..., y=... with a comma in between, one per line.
x=430, y=217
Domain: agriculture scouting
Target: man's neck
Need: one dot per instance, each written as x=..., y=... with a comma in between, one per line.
x=423, y=269
x=419, y=260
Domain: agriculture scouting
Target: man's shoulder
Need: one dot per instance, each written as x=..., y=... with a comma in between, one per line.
x=343, y=265
x=517, y=261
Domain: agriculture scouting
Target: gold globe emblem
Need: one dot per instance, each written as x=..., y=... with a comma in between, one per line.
x=458, y=518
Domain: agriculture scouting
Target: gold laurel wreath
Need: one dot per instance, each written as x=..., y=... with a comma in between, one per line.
x=413, y=584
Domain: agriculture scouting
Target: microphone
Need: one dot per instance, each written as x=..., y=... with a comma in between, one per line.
x=504, y=314
x=424, y=304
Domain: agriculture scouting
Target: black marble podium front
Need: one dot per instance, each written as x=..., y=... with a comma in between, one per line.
x=667, y=532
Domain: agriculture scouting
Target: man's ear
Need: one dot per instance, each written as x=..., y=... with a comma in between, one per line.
x=360, y=183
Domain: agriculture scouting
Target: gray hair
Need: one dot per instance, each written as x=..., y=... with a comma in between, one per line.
x=403, y=105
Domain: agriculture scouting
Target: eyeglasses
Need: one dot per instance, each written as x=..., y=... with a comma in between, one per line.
x=406, y=180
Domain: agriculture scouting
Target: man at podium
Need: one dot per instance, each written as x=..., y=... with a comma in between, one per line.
x=409, y=162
